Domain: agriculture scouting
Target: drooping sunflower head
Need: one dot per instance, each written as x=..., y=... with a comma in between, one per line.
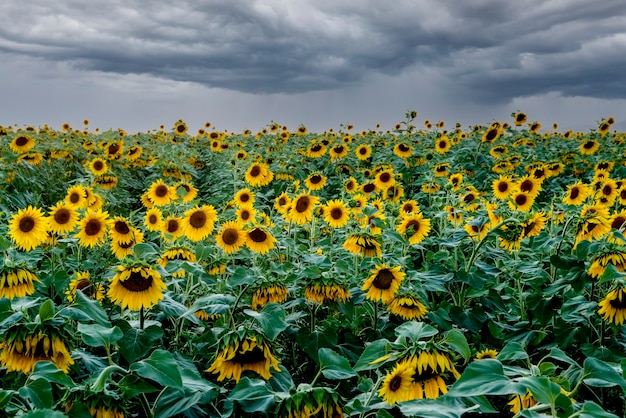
x=268, y=293
x=363, y=244
x=17, y=282
x=81, y=282
x=23, y=348
x=407, y=307
x=486, y=353
x=383, y=283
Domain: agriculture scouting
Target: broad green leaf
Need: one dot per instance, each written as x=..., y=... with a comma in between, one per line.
x=161, y=368
x=334, y=366
x=311, y=342
x=271, y=319
x=85, y=309
x=482, y=377
x=611, y=273
x=512, y=351
x=49, y=371
x=171, y=402
x=415, y=331
x=95, y=335
x=136, y=343
x=132, y=385
x=593, y=410
x=598, y=373
x=374, y=355
x=44, y=413
x=5, y=397
x=39, y=392
x=434, y=408
x=242, y=276
x=457, y=341
x=146, y=251
x=252, y=395
x=543, y=389
x=46, y=310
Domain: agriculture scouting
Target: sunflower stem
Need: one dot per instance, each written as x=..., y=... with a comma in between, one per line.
x=470, y=262
x=141, y=318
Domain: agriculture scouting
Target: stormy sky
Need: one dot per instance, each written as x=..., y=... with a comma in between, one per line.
x=137, y=64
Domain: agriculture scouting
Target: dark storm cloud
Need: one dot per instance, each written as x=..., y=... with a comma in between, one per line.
x=489, y=51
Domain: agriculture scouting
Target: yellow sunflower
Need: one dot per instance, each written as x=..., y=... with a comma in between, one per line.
x=363, y=152
x=414, y=227
x=442, y=144
x=93, y=228
x=362, y=244
x=244, y=353
x=407, y=307
x=521, y=201
x=589, y=147
x=160, y=194
x=259, y=175
x=244, y=198
x=383, y=283
x=502, y=187
x=396, y=386
x=136, y=287
x=576, y=194
x=98, y=166
x=185, y=191
x=403, y=150
x=28, y=228
x=172, y=228
x=231, y=237
x=259, y=240
x=338, y=151
x=337, y=214
x=17, y=282
x=198, y=222
x=62, y=218
x=22, y=144
x=315, y=181
x=22, y=351
x=282, y=203
x=177, y=253
x=613, y=307
x=301, y=208
x=81, y=282
x=268, y=293
x=486, y=353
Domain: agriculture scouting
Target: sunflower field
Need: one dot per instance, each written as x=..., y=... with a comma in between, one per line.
x=421, y=271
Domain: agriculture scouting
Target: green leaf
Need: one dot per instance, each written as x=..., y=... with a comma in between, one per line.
x=85, y=309
x=512, y=351
x=415, y=331
x=39, y=392
x=593, y=410
x=457, y=341
x=610, y=273
x=46, y=310
x=49, y=371
x=374, y=355
x=136, y=343
x=543, y=389
x=44, y=413
x=95, y=335
x=105, y=374
x=434, y=408
x=242, y=276
x=271, y=319
x=132, y=385
x=482, y=377
x=598, y=373
x=5, y=397
x=252, y=395
x=145, y=251
x=171, y=403
x=161, y=368
x=334, y=366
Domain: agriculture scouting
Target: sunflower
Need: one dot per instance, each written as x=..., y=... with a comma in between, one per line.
x=240, y=353
x=396, y=386
x=613, y=306
x=136, y=287
x=454, y=216
x=160, y=194
x=316, y=150
x=259, y=240
x=431, y=187
x=362, y=244
x=177, y=253
x=82, y=283
x=429, y=369
x=180, y=127
x=534, y=225
x=519, y=118
x=22, y=144
x=408, y=207
x=107, y=181
x=172, y=228
x=498, y=151
x=93, y=228
x=22, y=350
x=282, y=203
x=259, y=175
x=326, y=291
x=28, y=228
x=383, y=283
x=301, y=208
x=486, y=353
x=33, y=158
x=403, y=150
x=153, y=219
x=246, y=215
x=414, y=227
x=337, y=214
x=529, y=185
x=308, y=402
x=615, y=257
x=607, y=192
x=593, y=223
x=198, y=222
x=185, y=191
x=477, y=228
x=502, y=187
x=122, y=249
x=338, y=151
x=442, y=144
x=521, y=201
x=363, y=152
x=407, y=307
x=576, y=194
x=589, y=147
x=62, y=218
x=358, y=202
x=268, y=293
x=384, y=179
x=98, y=166
x=491, y=134
x=231, y=237
x=315, y=181
x=121, y=230
x=520, y=402
x=133, y=153
x=16, y=282
x=244, y=198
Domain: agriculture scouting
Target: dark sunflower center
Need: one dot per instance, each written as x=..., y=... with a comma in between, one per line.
x=362, y=150
x=198, y=219
x=256, y=170
x=93, y=227
x=503, y=186
x=618, y=222
x=282, y=201
x=336, y=213
x=74, y=198
x=316, y=148
x=315, y=179
x=152, y=219
x=369, y=187
x=469, y=198
x=618, y=304
x=607, y=190
x=121, y=227
x=161, y=190
x=257, y=235
x=526, y=186
x=350, y=185
x=244, y=197
x=491, y=134
x=302, y=204
x=255, y=355
x=395, y=383
x=574, y=193
x=603, y=166
x=180, y=128
x=408, y=208
x=338, y=149
x=384, y=177
x=440, y=168
x=83, y=286
x=62, y=216
x=98, y=165
x=403, y=147
x=245, y=215
x=413, y=224
x=136, y=282
x=20, y=141
x=172, y=226
x=114, y=148
x=230, y=236
x=443, y=144
x=127, y=245
x=520, y=200
x=520, y=117
x=588, y=144
x=528, y=228
x=27, y=224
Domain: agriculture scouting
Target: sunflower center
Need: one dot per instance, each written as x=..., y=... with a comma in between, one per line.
x=369, y=187
x=574, y=193
x=403, y=147
x=161, y=190
x=395, y=383
x=520, y=117
x=74, y=198
x=180, y=128
x=588, y=144
x=98, y=165
x=362, y=150
x=244, y=197
x=469, y=198
x=93, y=227
x=198, y=219
x=407, y=208
x=383, y=280
x=526, y=186
x=136, y=282
x=618, y=222
x=336, y=213
x=338, y=149
x=607, y=190
x=257, y=235
x=282, y=201
x=27, y=224
x=384, y=177
x=127, y=245
x=442, y=144
x=491, y=134
x=121, y=227
x=245, y=215
x=503, y=186
x=172, y=225
x=255, y=355
x=618, y=304
x=520, y=200
x=315, y=179
x=230, y=236
x=316, y=148
x=62, y=216
x=256, y=170
x=20, y=141
x=113, y=148
x=603, y=166
x=152, y=219
x=302, y=204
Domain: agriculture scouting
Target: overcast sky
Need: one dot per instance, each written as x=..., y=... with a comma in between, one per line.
x=137, y=64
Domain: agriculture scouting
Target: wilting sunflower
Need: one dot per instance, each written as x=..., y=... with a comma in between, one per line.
x=242, y=352
x=520, y=402
x=259, y=240
x=613, y=306
x=198, y=222
x=93, y=228
x=16, y=282
x=136, y=286
x=153, y=219
x=231, y=237
x=407, y=307
x=309, y=402
x=589, y=147
x=363, y=244
x=315, y=181
x=383, y=283
x=430, y=367
x=414, y=227
x=301, y=209
x=98, y=166
x=324, y=290
x=172, y=228
x=22, y=144
x=576, y=194
x=337, y=214
x=615, y=257
x=81, y=282
x=161, y=194
x=593, y=223
x=502, y=187
x=177, y=253
x=534, y=225
x=396, y=386
x=99, y=404
x=28, y=228
x=268, y=293
x=486, y=353
x=259, y=175
x=32, y=158
x=244, y=198
x=22, y=349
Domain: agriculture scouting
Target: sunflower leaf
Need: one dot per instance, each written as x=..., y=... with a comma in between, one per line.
x=271, y=319
x=160, y=367
x=252, y=395
x=46, y=310
x=482, y=377
x=415, y=331
x=457, y=341
x=598, y=373
x=334, y=366
x=375, y=354
x=95, y=335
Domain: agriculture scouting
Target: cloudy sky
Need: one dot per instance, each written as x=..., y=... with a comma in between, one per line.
x=240, y=64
